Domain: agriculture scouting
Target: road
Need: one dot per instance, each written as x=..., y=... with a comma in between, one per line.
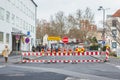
x=60, y=71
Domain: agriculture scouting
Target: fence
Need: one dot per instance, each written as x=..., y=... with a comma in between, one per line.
x=62, y=57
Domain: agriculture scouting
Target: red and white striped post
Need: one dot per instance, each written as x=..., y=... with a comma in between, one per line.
x=107, y=54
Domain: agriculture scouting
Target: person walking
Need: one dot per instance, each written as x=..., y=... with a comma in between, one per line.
x=6, y=53
x=33, y=48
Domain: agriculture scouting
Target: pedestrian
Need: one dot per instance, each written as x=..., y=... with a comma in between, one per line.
x=33, y=48
x=39, y=47
x=6, y=53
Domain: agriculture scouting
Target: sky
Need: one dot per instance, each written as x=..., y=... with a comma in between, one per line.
x=46, y=8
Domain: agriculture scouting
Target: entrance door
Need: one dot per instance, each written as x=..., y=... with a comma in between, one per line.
x=15, y=44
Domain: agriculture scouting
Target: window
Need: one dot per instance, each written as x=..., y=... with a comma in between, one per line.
x=7, y=38
x=114, y=23
x=13, y=19
x=17, y=21
x=1, y=36
x=17, y=4
x=7, y=16
x=33, y=29
x=13, y=2
x=114, y=33
x=20, y=23
x=26, y=26
x=23, y=24
x=29, y=27
x=2, y=13
x=21, y=6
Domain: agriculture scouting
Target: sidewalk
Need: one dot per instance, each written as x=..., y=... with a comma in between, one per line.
x=114, y=60
x=13, y=58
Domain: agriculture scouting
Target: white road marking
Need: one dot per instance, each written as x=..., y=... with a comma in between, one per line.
x=18, y=74
x=65, y=72
x=117, y=66
x=2, y=66
x=72, y=78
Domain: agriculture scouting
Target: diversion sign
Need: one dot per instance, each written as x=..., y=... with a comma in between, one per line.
x=50, y=38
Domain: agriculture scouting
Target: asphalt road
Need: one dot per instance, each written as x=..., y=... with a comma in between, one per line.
x=60, y=71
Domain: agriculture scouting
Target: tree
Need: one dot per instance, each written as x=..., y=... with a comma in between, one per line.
x=79, y=17
x=58, y=24
x=88, y=15
x=71, y=25
x=109, y=31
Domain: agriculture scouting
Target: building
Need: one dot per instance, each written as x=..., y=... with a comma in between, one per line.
x=17, y=24
x=98, y=34
x=89, y=28
x=113, y=30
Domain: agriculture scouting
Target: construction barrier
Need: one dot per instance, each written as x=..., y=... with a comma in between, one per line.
x=36, y=56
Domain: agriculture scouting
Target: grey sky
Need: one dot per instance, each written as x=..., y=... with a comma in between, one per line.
x=46, y=8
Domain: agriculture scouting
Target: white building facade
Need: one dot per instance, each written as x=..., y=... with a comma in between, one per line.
x=17, y=24
x=114, y=35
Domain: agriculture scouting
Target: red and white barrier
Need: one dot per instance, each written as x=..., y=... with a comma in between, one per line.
x=87, y=53
x=62, y=61
x=60, y=54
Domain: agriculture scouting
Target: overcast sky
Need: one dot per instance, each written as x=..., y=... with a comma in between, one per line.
x=46, y=8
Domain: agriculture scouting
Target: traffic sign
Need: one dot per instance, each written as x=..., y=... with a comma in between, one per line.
x=114, y=45
x=27, y=40
x=28, y=33
x=17, y=37
x=54, y=38
x=65, y=39
x=103, y=42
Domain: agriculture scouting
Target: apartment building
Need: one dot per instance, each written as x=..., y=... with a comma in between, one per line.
x=17, y=24
x=113, y=30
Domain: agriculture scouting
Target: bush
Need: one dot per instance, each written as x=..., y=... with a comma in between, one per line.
x=94, y=47
x=104, y=48
x=113, y=54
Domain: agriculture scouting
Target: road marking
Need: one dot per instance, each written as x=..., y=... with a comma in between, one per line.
x=118, y=66
x=72, y=78
x=65, y=72
x=2, y=66
x=18, y=74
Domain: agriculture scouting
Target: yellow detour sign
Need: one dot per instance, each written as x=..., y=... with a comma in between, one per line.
x=54, y=38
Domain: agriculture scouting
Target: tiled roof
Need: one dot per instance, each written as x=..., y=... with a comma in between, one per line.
x=117, y=13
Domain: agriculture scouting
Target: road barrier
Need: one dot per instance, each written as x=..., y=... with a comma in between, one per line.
x=36, y=57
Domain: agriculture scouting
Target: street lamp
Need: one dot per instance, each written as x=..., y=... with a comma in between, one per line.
x=103, y=33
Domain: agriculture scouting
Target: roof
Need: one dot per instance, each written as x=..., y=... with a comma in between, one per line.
x=117, y=13
x=34, y=3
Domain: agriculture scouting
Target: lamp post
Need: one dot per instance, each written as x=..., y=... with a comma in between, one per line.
x=103, y=33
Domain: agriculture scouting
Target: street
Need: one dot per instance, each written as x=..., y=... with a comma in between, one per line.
x=60, y=40
x=14, y=70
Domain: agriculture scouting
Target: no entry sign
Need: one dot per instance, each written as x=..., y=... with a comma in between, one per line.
x=65, y=39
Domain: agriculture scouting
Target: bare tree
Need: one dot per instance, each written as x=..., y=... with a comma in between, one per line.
x=110, y=33
x=71, y=22
x=79, y=17
x=88, y=15
x=58, y=24
x=71, y=25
